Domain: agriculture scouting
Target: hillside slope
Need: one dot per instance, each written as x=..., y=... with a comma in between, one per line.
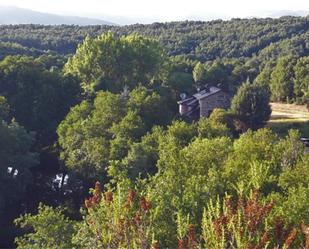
x=193, y=39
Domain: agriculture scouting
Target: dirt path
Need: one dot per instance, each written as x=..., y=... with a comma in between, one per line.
x=289, y=113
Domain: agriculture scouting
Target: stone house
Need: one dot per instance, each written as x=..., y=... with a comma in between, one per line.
x=203, y=102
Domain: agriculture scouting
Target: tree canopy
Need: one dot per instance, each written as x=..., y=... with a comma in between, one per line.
x=111, y=63
x=106, y=110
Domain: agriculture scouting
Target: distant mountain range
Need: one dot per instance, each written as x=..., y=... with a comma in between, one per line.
x=254, y=14
x=15, y=15
x=280, y=13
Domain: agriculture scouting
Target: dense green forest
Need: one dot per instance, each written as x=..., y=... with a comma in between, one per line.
x=94, y=154
x=204, y=41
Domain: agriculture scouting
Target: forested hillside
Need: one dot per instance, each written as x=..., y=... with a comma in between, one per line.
x=96, y=106
x=195, y=40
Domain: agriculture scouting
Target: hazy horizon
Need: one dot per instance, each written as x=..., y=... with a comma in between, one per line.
x=137, y=11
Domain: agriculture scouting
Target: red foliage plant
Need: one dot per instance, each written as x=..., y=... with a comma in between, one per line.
x=96, y=198
x=247, y=221
x=133, y=225
x=190, y=240
x=127, y=223
x=305, y=231
x=155, y=245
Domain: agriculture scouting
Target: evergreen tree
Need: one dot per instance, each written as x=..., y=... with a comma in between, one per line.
x=281, y=80
x=251, y=104
x=301, y=83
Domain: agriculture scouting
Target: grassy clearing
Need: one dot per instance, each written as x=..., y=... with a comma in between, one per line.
x=289, y=116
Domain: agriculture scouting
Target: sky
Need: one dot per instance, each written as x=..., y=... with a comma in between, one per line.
x=162, y=10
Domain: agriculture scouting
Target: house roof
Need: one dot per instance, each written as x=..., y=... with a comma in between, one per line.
x=200, y=95
x=205, y=93
x=189, y=101
x=185, y=100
